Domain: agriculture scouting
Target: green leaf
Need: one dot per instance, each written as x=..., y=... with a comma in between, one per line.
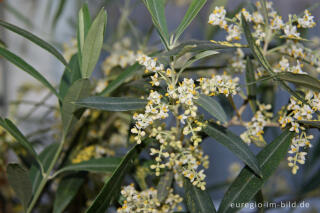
x=251, y=87
x=265, y=12
x=93, y=44
x=255, y=49
x=67, y=190
x=198, y=57
x=111, y=188
x=19, y=180
x=38, y=41
x=198, y=201
x=103, y=165
x=3, y=44
x=310, y=124
x=84, y=23
x=156, y=9
x=235, y=144
x=68, y=78
x=46, y=157
x=123, y=77
x=213, y=107
x=191, y=13
x=15, y=132
x=195, y=46
x=115, y=104
x=78, y=90
x=303, y=80
x=19, y=62
x=164, y=186
x=247, y=184
x=58, y=13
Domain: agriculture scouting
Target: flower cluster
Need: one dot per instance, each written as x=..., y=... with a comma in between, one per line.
x=284, y=66
x=301, y=54
x=120, y=55
x=254, y=132
x=219, y=84
x=147, y=201
x=178, y=149
x=296, y=58
x=183, y=158
x=306, y=21
x=154, y=110
x=237, y=62
x=298, y=111
x=217, y=17
x=261, y=33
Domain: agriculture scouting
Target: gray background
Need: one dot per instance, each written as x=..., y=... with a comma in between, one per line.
x=11, y=77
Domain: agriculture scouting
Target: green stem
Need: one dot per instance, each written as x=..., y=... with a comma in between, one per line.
x=46, y=177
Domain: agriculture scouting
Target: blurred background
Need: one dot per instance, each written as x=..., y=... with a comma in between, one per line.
x=55, y=22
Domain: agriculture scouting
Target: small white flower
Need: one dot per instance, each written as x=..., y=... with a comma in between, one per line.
x=276, y=23
x=217, y=17
x=291, y=31
x=307, y=20
x=234, y=32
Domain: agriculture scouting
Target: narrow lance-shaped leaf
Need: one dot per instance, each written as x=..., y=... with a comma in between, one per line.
x=255, y=49
x=123, y=77
x=156, y=9
x=2, y=44
x=67, y=190
x=213, y=107
x=251, y=87
x=234, y=144
x=19, y=62
x=303, y=80
x=35, y=39
x=93, y=44
x=111, y=188
x=84, y=22
x=265, y=12
x=196, y=46
x=164, y=186
x=15, y=132
x=103, y=165
x=198, y=201
x=58, y=13
x=46, y=157
x=247, y=184
x=310, y=124
x=18, y=178
x=191, y=13
x=78, y=90
x=115, y=104
x=198, y=57
x=69, y=76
